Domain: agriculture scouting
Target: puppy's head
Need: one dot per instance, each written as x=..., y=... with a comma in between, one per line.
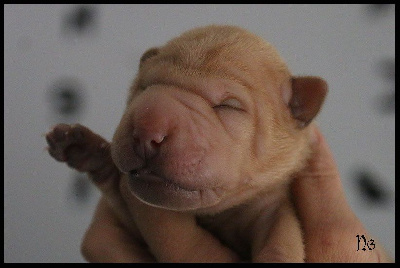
x=213, y=118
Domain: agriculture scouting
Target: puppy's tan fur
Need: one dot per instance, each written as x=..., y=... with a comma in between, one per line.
x=216, y=126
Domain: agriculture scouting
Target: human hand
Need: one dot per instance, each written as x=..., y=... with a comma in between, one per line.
x=329, y=224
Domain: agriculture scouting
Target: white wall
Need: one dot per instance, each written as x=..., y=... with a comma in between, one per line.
x=45, y=219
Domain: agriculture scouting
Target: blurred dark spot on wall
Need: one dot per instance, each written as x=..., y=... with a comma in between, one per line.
x=81, y=188
x=66, y=97
x=387, y=67
x=375, y=11
x=386, y=102
x=80, y=19
x=370, y=186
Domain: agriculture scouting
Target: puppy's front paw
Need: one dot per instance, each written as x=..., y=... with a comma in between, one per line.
x=78, y=146
x=61, y=137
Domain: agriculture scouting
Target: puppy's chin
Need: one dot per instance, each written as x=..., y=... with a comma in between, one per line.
x=157, y=191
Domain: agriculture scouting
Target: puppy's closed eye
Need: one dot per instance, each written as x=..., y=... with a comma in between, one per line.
x=229, y=103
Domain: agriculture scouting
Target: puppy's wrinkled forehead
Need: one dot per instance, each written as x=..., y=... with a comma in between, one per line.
x=224, y=51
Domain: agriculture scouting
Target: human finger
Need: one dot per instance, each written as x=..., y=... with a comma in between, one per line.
x=330, y=226
x=107, y=240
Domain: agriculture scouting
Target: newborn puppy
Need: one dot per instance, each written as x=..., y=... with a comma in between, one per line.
x=215, y=126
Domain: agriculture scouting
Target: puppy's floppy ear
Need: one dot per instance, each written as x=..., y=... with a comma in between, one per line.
x=148, y=54
x=306, y=98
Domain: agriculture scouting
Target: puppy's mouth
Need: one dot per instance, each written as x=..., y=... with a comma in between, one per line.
x=149, y=177
x=159, y=191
